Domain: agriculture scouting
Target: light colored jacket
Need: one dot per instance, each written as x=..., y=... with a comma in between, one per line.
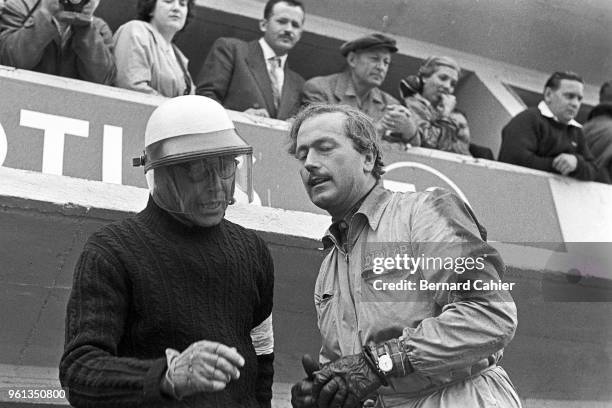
x=436, y=131
x=338, y=89
x=147, y=63
x=450, y=335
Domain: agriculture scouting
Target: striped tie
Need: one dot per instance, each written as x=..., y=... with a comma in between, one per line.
x=275, y=71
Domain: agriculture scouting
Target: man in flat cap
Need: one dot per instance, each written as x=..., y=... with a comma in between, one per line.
x=368, y=59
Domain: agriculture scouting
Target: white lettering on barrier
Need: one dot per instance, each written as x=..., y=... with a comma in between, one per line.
x=3, y=145
x=112, y=154
x=55, y=127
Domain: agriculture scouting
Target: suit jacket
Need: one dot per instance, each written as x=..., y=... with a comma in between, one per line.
x=36, y=45
x=235, y=74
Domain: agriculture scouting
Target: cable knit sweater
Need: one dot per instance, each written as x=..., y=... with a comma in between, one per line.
x=147, y=283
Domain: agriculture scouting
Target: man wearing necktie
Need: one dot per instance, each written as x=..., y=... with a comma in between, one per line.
x=254, y=77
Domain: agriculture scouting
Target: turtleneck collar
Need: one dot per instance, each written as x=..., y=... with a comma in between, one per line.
x=160, y=220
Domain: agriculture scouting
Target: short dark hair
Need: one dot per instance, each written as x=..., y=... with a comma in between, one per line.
x=358, y=127
x=605, y=92
x=145, y=10
x=271, y=3
x=555, y=79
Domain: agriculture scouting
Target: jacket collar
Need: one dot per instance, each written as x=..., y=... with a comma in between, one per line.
x=268, y=52
x=547, y=113
x=372, y=208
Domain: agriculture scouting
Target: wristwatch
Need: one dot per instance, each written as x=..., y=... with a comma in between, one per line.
x=385, y=363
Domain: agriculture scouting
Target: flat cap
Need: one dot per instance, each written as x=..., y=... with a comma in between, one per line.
x=375, y=40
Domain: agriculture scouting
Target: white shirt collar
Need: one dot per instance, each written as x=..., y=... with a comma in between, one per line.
x=546, y=112
x=268, y=52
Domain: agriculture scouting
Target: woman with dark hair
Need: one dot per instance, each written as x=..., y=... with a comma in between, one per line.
x=147, y=59
x=429, y=95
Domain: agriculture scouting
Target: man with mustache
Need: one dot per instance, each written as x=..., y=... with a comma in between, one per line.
x=547, y=137
x=254, y=77
x=367, y=62
x=413, y=348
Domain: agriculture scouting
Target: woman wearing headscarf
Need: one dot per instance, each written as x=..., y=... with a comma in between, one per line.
x=146, y=57
x=429, y=96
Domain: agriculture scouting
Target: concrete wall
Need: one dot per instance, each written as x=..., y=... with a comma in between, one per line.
x=96, y=130
x=486, y=114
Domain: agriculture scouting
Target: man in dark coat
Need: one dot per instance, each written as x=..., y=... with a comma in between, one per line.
x=547, y=137
x=254, y=77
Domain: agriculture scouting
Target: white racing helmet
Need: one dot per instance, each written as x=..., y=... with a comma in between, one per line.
x=192, y=159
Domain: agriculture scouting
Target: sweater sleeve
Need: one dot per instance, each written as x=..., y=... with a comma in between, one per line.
x=91, y=371
x=263, y=335
x=520, y=143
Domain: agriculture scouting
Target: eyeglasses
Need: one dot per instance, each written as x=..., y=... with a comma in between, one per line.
x=205, y=169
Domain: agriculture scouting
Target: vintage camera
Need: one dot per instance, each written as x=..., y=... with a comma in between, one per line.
x=72, y=13
x=75, y=6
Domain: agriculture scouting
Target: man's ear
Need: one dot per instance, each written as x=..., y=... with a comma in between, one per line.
x=369, y=161
x=351, y=59
x=263, y=25
x=547, y=94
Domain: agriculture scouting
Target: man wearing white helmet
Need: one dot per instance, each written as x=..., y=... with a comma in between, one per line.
x=163, y=303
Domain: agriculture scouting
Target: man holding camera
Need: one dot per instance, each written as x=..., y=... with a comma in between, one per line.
x=59, y=37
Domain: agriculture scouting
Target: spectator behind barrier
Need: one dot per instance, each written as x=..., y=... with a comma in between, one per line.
x=463, y=133
x=147, y=59
x=41, y=36
x=368, y=59
x=429, y=97
x=547, y=137
x=254, y=77
x=598, y=133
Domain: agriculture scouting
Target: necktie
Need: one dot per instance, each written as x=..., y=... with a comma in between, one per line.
x=275, y=71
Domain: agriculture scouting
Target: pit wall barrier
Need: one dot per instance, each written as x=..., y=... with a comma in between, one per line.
x=560, y=356
x=67, y=127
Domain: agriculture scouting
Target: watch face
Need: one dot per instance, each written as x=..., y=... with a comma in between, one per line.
x=385, y=363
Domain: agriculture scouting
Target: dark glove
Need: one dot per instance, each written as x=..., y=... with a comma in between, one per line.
x=345, y=382
x=301, y=392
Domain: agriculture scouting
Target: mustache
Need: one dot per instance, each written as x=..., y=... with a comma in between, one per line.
x=288, y=35
x=314, y=179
